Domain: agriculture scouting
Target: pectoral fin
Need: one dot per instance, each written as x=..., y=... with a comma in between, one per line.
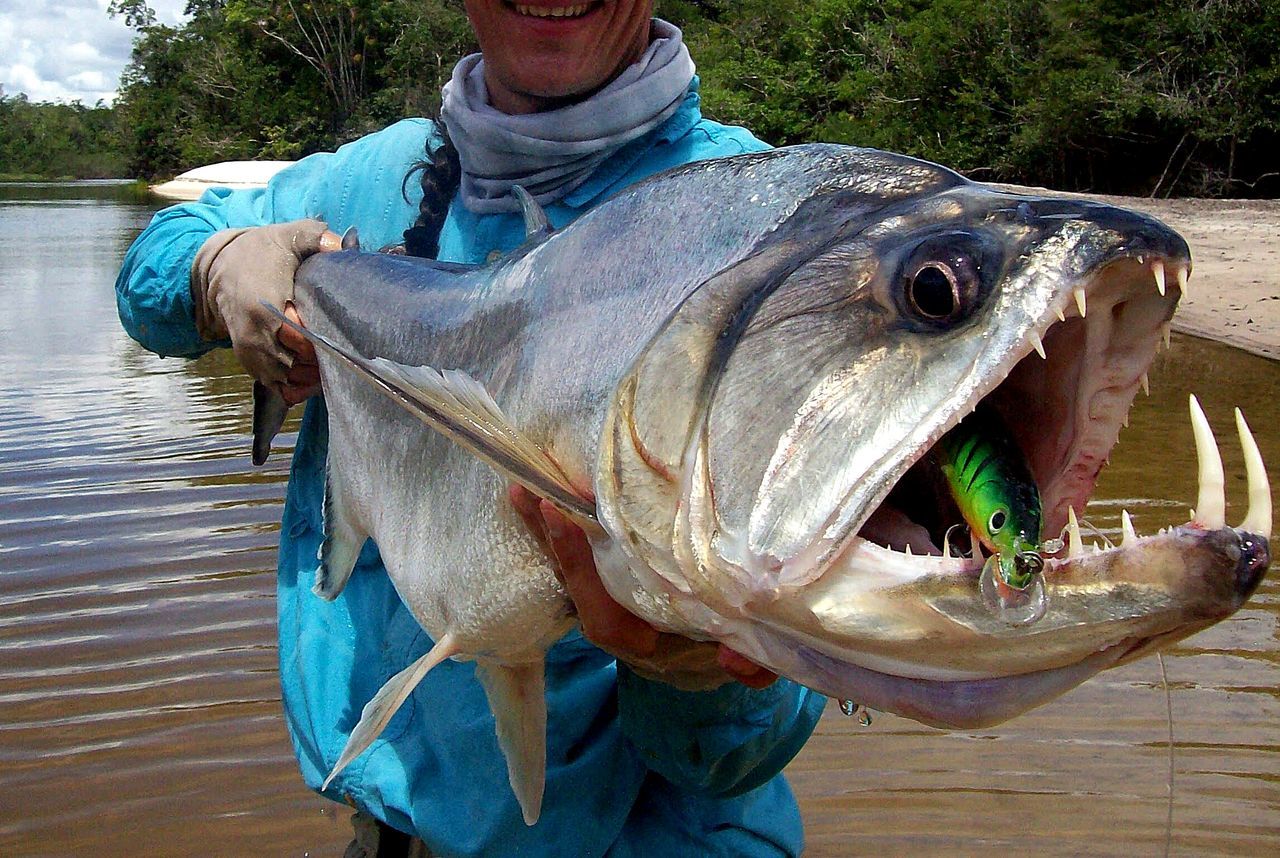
x=378, y=712
x=518, y=701
x=457, y=406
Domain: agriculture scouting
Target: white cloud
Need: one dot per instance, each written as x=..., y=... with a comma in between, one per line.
x=67, y=50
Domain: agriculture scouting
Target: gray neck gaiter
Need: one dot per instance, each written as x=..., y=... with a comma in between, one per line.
x=554, y=152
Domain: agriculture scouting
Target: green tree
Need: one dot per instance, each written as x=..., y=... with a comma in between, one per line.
x=58, y=140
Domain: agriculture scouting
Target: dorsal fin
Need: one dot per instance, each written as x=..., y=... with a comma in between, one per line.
x=536, y=224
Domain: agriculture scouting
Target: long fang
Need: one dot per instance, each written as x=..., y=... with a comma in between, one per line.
x=1258, y=518
x=1211, y=505
x=1075, y=545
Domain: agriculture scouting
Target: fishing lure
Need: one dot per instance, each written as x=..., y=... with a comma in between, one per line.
x=991, y=483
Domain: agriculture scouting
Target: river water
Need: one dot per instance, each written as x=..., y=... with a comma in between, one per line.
x=139, y=705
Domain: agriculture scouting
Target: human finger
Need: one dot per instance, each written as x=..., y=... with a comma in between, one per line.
x=299, y=345
x=743, y=669
x=604, y=622
x=293, y=394
x=313, y=236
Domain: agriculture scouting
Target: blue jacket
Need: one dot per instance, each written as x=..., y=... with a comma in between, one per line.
x=633, y=767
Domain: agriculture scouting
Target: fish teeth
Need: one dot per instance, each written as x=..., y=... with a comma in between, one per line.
x=1146, y=384
x=1258, y=518
x=1157, y=269
x=975, y=545
x=1078, y=292
x=1211, y=505
x=1166, y=335
x=1128, y=534
x=1038, y=345
x=1075, y=545
x=1062, y=317
x=1182, y=273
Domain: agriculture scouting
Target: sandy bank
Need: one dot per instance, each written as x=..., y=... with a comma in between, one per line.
x=1234, y=292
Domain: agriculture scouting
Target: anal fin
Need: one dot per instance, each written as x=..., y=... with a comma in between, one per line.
x=517, y=697
x=378, y=712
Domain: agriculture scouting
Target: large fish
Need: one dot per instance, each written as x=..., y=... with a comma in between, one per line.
x=732, y=375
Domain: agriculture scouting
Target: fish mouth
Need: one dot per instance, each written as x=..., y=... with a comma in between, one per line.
x=1064, y=400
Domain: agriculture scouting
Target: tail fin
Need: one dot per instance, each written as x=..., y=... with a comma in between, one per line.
x=269, y=410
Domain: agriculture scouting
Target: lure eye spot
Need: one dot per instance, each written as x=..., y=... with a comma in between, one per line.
x=997, y=521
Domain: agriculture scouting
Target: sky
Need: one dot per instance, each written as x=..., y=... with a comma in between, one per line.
x=67, y=50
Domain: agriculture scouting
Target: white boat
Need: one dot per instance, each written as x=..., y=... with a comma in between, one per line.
x=226, y=174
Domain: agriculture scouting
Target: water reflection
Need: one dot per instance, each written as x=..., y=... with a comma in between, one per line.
x=138, y=697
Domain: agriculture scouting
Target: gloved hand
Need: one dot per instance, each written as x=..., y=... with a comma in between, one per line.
x=234, y=271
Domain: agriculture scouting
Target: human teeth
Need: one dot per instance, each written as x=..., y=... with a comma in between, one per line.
x=1037, y=345
x=1157, y=268
x=1075, y=545
x=1079, y=295
x=1211, y=505
x=553, y=11
x=1126, y=528
x=1258, y=518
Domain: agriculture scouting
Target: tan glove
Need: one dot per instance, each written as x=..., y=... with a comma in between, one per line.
x=234, y=271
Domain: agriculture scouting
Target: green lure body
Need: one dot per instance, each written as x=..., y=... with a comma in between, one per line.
x=991, y=483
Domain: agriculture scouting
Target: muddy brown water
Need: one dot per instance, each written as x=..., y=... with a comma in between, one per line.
x=139, y=705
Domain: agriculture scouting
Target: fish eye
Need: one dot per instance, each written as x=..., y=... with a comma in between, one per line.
x=997, y=521
x=933, y=291
x=945, y=277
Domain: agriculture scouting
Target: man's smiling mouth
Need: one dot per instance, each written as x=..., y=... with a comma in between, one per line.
x=553, y=11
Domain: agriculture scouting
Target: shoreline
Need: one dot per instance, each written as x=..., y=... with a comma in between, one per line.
x=1233, y=294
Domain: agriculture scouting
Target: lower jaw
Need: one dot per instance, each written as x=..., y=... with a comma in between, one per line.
x=967, y=704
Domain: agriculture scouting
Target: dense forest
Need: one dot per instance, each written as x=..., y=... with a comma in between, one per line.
x=1154, y=98
x=58, y=140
